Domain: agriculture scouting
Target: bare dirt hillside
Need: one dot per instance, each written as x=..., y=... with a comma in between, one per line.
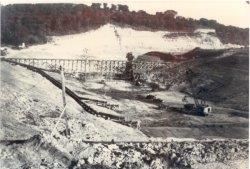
x=223, y=74
x=117, y=41
x=184, y=56
x=226, y=79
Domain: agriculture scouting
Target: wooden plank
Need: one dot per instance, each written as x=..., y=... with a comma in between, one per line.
x=64, y=102
x=85, y=66
x=81, y=66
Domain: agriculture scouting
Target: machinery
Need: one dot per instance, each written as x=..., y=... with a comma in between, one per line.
x=200, y=107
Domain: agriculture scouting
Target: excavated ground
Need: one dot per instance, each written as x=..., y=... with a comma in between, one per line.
x=32, y=106
x=226, y=121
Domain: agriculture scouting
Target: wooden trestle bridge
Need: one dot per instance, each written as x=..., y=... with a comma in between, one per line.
x=102, y=67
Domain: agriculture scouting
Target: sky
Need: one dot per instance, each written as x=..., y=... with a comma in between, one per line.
x=228, y=12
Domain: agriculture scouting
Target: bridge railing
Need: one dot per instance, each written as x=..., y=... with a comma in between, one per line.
x=88, y=66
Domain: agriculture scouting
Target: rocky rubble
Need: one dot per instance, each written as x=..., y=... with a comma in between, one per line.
x=173, y=154
x=160, y=155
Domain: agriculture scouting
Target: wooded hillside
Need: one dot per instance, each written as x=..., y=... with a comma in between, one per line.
x=32, y=23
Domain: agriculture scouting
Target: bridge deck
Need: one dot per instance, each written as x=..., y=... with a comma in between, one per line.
x=89, y=66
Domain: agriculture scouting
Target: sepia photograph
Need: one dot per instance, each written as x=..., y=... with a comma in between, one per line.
x=133, y=84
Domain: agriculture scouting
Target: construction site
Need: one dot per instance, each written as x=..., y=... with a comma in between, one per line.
x=137, y=99
x=116, y=97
